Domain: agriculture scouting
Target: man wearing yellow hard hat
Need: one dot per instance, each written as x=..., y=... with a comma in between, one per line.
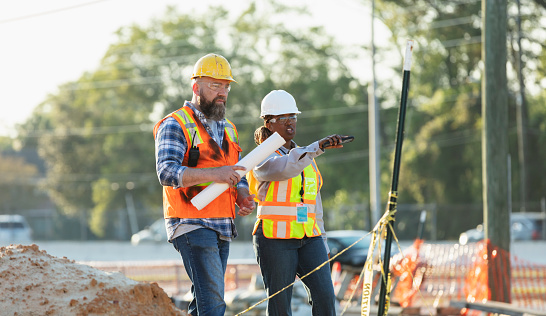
x=195, y=146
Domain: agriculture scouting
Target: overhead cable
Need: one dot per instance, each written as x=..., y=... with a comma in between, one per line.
x=25, y=17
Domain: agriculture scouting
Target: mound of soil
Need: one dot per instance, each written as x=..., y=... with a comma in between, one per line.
x=33, y=282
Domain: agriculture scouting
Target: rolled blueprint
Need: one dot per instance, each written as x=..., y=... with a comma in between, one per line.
x=249, y=162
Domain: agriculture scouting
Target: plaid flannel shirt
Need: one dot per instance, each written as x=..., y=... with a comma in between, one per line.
x=170, y=148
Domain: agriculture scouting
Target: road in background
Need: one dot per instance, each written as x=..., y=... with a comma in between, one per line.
x=532, y=251
x=125, y=251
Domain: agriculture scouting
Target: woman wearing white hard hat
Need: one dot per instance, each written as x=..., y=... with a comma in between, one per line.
x=288, y=234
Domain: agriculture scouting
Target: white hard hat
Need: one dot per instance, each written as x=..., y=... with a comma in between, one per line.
x=278, y=102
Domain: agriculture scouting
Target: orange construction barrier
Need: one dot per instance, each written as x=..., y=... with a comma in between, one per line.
x=432, y=275
x=408, y=281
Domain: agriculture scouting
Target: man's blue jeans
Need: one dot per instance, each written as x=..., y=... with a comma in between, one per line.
x=205, y=259
x=281, y=260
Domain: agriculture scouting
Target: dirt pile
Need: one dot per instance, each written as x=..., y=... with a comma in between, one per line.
x=33, y=282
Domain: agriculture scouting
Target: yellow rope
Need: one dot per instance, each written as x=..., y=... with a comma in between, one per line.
x=289, y=285
x=384, y=223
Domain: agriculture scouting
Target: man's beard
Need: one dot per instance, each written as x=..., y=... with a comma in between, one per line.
x=211, y=109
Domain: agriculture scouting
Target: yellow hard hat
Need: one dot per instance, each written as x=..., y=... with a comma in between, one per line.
x=214, y=66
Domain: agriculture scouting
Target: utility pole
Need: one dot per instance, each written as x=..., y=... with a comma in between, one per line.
x=521, y=115
x=131, y=212
x=374, y=143
x=495, y=146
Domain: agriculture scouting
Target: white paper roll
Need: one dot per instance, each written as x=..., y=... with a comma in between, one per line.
x=249, y=162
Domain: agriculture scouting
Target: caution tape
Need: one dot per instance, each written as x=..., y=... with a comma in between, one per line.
x=379, y=231
x=368, y=277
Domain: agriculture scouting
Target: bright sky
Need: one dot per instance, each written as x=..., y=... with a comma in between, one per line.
x=48, y=43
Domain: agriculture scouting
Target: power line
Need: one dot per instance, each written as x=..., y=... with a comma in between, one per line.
x=443, y=23
x=455, y=138
x=442, y=141
x=241, y=120
x=418, y=7
x=97, y=130
x=30, y=16
x=147, y=127
x=462, y=41
x=452, y=22
x=106, y=84
x=80, y=177
x=450, y=139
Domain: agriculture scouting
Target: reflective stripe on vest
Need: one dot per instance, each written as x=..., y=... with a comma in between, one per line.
x=189, y=123
x=176, y=201
x=276, y=227
x=279, y=209
x=287, y=193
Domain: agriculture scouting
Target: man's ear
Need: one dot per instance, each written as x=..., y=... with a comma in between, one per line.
x=195, y=88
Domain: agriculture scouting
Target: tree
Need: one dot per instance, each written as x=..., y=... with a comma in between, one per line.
x=17, y=190
x=442, y=160
x=96, y=133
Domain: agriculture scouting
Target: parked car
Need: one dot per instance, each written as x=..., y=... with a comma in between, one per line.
x=355, y=256
x=14, y=229
x=523, y=226
x=153, y=234
x=539, y=223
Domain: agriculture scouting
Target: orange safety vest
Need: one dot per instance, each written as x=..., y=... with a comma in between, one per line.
x=278, y=211
x=176, y=202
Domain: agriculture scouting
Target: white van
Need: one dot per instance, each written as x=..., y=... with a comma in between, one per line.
x=14, y=229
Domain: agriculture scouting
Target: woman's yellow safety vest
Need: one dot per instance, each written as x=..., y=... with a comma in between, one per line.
x=278, y=212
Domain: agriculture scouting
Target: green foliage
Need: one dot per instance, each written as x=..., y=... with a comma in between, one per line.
x=346, y=210
x=96, y=133
x=537, y=137
x=104, y=199
x=16, y=184
x=442, y=146
x=5, y=143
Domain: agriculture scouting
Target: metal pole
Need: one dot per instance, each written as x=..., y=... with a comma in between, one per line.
x=374, y=144
x=131, y=212
x=384, y=294
x=509, y=180
x=543, y=209
x=521, y=119
x=422, y=221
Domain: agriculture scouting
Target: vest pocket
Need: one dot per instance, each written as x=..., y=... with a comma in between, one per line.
x=234, y=151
